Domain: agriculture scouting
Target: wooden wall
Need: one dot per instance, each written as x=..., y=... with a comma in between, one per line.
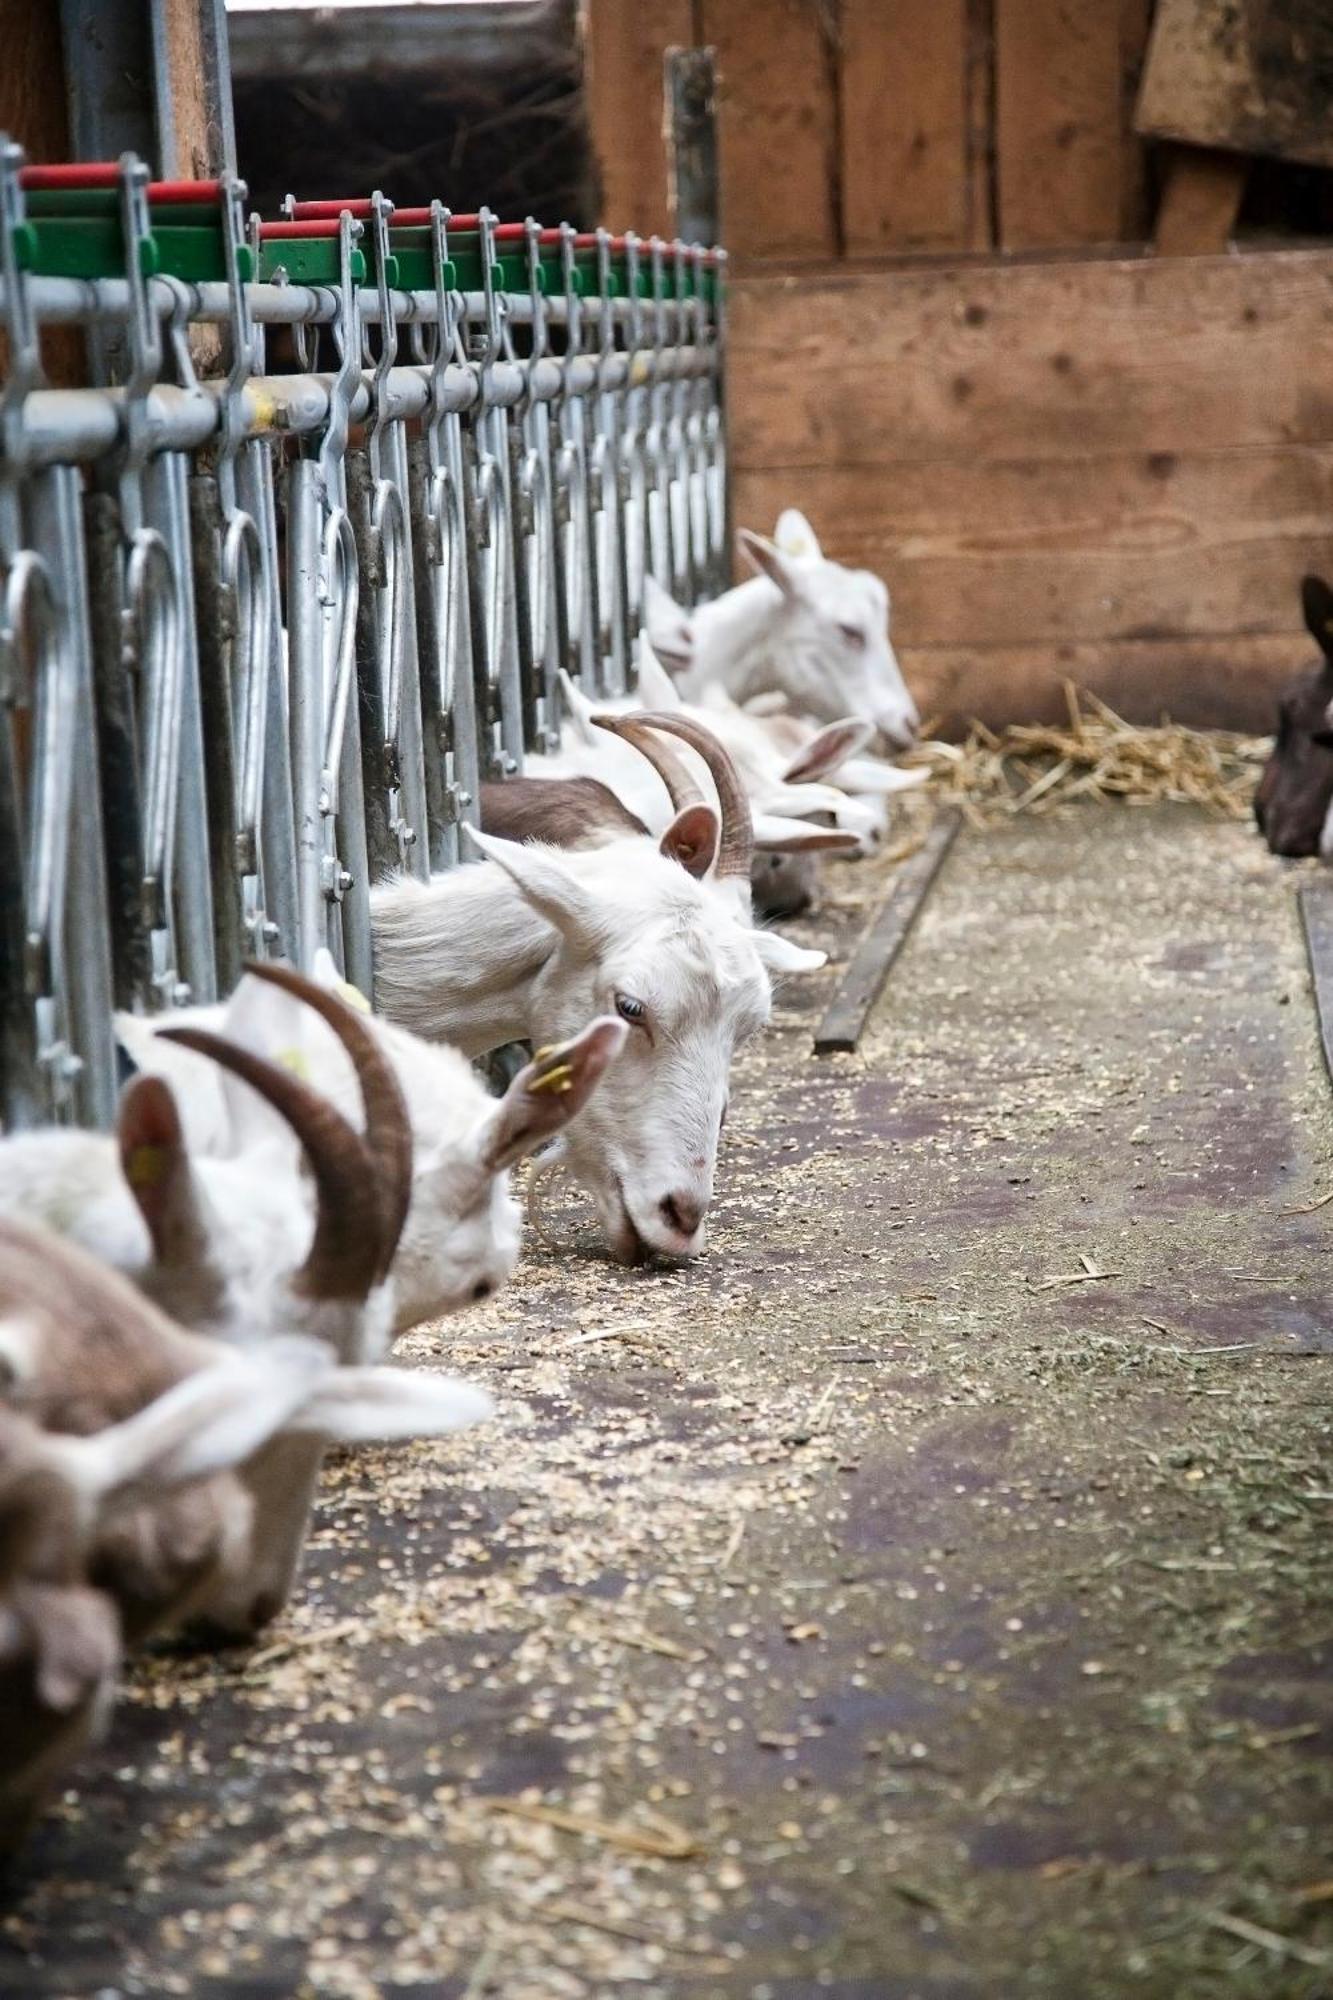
x=860, y=128
x=1110, y=470
x=950, y=345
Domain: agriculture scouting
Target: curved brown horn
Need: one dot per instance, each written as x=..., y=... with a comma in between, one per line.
x=736, y=847
x=346, y=1251
x=388, y=1126
x=671, y=769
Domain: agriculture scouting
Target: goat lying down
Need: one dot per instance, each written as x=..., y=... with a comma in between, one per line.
x=125, y=1502
x=802, y=626
x=656, y=932
x=231, y=1246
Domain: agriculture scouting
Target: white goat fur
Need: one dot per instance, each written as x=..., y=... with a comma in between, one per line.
x=803, y=626
x=534, y=943
x=462, y=1235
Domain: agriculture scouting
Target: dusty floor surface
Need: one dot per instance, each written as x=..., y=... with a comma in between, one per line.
x=925, y=1595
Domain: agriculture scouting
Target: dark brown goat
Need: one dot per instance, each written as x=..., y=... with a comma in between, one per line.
x=1296, y=789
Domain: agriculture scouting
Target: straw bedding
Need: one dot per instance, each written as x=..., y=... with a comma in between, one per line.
x=1096, y=754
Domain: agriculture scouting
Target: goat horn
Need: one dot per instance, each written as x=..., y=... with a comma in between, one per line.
x=671, y=769
x=735, y=849
x=388, y=1126
x=345, y=1253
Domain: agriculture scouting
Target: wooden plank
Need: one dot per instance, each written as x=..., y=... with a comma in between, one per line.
x=979, y=89
x=1058, y=122
x=777, y=126
x=1135, y=22
x=1201, y=197
x=1217, y=683
x=1106, y=548
x=863, y=982
x=1247, y=75
x=1048, y=360
x=903, y=80
x=625, y=43
x=1315, y=896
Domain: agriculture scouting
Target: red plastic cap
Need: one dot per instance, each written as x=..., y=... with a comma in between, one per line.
x=274, y=231
x=171, y=192
x=325, y=211
x=74, y=174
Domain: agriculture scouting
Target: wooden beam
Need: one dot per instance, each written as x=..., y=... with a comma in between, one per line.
x=1201, y=198
x=903, y=81
x=625, y=44
x=1032, y=359
x=1247, y=75
x=1315, y=896
x=863, y=982
x=1058, y=122
x=1216, y=683
x=777, y=126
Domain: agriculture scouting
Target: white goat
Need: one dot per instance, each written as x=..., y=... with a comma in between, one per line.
x=780, y=804
x=804, y=626
x=462, y=1233
x=660, y=934
x=228, y=1244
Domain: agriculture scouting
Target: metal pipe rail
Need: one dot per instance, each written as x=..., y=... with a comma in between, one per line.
x=262, y=636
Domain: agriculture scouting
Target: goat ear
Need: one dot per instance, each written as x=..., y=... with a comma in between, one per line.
x=379, y=1405
x=767, y=559
x=832, y=747
x=156, y=1166
x=775, y=835
x=779, y=954
x=668, y=627
x=580, y=711
x=216, y=1418
x=795, y=537
x=655, y=688
x=544, y=881
x=1317, y=605
x=691, y=839
x=555, y=1085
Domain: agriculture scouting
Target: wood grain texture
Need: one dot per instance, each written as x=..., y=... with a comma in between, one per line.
x=1252, y=76
x=1108, y=470
x=1207, y=683
x=1201, y=195
x=903, y=81
x=625, y=42
x=777, y=126
x=1041, y=360
x=1058, y=122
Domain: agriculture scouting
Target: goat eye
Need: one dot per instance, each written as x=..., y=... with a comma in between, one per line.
x=630, y=1009
x=853, y=636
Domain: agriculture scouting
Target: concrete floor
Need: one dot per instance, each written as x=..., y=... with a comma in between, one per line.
x=924, y=1596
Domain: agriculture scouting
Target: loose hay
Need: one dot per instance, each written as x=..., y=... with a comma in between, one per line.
x=1046, y=767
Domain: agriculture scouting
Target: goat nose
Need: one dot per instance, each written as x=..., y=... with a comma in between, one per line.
x=684, y=1212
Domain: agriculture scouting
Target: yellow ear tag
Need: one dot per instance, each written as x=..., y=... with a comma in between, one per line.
x=557, y=1080
x=353, y=995
x=297, y=1061
x=146, y=1165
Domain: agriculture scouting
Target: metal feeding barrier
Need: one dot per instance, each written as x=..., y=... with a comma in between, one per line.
x=263, y=635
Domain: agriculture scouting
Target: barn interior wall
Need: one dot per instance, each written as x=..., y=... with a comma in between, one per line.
x=954, y=346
